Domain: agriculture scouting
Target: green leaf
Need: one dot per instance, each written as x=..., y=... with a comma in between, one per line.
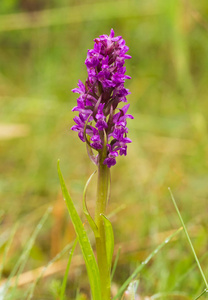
x=91, y=265
x=109, y=240
x=86, y=212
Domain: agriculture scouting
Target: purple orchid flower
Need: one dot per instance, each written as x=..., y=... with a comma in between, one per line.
x=100, y=123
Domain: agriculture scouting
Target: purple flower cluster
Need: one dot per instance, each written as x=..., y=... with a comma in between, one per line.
x=100, y=123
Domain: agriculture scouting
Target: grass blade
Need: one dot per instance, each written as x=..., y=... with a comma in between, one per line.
x=205, y=291
x=8, y=245
x=188, y=238
x=189, y=271
x=63, y=287
x=91, y=265
x=53, y=260
x=176, y=295
x=19, y=266
x=115, y=263
x=131, y=291
x=140, y=267
x=31, y=241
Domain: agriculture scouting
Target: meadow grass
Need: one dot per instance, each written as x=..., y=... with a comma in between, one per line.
x=40, y=62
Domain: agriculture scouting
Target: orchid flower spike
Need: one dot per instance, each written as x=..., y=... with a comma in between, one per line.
x=101, y=124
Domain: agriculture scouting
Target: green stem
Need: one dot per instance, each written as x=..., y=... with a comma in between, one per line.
x=101, y=203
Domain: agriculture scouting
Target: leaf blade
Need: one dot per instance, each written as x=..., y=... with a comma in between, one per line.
x=109, y=239
x=91, y=265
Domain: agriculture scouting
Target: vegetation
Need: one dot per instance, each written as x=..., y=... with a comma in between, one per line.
x=42, y=48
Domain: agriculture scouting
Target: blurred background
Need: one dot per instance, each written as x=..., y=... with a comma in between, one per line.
x=43, y=46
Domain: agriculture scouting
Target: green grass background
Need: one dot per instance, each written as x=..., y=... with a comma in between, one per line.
x=43, y=46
